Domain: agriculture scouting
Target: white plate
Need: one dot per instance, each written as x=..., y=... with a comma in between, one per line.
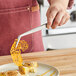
x=41, y=69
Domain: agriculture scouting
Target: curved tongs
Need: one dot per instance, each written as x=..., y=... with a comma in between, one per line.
x=31, y=31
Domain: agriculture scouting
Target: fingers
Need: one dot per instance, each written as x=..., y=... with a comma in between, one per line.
x=56, y=16
x=57, y=19
x=50, y=16
x=65, y=18
x=47, y=14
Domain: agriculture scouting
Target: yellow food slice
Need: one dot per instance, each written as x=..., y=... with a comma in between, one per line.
x=32, y=69
x=23, y=70
x=32, y=66
x=17, y=59
x=16, y=52
x=12, y=73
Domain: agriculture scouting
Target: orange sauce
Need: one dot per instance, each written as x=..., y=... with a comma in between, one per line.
x=53, y=73
x=46, y=72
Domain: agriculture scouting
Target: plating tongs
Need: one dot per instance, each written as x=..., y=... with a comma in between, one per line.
x=31, y=31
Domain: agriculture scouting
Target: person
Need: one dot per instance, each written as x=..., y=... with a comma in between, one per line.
x=19, y=16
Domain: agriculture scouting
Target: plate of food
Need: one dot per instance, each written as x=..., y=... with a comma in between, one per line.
x=28, y=69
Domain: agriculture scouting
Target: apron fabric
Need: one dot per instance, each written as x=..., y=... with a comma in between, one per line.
x=15, y=19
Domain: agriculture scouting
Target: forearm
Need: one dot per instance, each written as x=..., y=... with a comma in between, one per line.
x=62, y=2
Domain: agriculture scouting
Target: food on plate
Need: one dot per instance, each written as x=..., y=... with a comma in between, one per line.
x=23, y=70
x=10, y=73
x=32, y=69
x=32, y=66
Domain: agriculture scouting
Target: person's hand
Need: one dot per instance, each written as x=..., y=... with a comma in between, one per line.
x=57, y=14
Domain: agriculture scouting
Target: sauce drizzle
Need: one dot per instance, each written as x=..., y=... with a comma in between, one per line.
x=46, y=72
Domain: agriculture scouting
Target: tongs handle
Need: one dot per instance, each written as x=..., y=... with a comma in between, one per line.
x=31, y=31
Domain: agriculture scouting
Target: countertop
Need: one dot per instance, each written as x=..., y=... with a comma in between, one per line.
x=63, y=60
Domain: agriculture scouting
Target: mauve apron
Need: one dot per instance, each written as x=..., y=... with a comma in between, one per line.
x=15, y=19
